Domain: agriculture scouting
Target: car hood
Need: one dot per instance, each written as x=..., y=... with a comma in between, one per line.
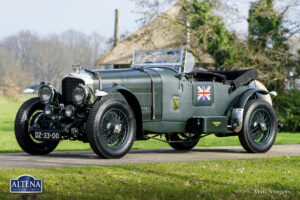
x=128, y=78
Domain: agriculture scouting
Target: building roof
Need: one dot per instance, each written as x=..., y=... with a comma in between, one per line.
x=157, y=34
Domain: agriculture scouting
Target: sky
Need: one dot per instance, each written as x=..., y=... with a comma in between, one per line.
x=55, y=16
x=46, y=17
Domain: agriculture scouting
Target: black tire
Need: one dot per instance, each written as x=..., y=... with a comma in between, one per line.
x=102, y=128
x=259, y=128
x=181, y=142
x=26, y=142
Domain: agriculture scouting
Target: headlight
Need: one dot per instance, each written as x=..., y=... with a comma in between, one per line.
x=46, y=93
x=81, y=95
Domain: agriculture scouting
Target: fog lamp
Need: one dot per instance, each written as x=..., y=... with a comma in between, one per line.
x=48, y=109
x=69, y=110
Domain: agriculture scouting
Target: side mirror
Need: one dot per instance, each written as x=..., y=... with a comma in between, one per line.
x=189, y=62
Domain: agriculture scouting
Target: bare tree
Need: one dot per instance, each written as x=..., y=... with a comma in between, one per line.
x=36, y=58
x=150, y=9
x=11, y=77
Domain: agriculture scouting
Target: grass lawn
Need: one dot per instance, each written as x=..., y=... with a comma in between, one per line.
x=268, y=178
x=8, y=142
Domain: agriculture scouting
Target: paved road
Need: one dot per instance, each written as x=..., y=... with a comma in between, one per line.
x=84, y=158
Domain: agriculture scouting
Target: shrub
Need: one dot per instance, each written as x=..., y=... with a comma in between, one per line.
x=10, y=89
x=287, y=106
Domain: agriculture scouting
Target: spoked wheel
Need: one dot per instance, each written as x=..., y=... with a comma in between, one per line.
x=29, y=114
x=114, y=128
x=183, y=141
x=260, y=127
x=111, y=128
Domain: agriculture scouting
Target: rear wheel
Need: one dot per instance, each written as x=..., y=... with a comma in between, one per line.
x=259, y=128
x=183, y=141
x=27, y=115
x=111, y=128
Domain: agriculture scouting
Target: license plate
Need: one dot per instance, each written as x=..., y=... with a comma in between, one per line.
x=46, y=136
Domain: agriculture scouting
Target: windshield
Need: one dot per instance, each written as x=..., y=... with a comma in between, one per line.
x=160, y=57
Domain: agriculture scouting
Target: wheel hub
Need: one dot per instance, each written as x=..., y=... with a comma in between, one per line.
x=111, y=128
x=255, y=124
x=114, y=127
x=118, y=128
x=263, y=126
x=260, y=129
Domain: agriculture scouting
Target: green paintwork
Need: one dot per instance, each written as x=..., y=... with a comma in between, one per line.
x=139, y=84
x=163, y=95
x=169, y=85
x=214, y=124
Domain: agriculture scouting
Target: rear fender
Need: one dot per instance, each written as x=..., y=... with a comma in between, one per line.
x=237, y=113
x=248, y=94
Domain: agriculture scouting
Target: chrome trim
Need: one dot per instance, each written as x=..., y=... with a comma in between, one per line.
x=237, y=117
x=100, y=93
x=83, y=75
x=77, y=68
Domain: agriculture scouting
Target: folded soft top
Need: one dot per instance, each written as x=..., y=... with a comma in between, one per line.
x=236, y=78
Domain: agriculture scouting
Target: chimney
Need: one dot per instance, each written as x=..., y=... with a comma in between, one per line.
x=116, y=36
x=188, y=33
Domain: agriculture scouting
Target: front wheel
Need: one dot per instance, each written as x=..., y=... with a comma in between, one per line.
x=259, y=128
x=26, y=117
x=182, y=141
x=111, y=128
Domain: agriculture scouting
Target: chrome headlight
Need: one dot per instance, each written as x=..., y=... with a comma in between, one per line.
x=46, y=93
x=81, y=95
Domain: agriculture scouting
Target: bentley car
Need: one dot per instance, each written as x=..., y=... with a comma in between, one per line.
x=160, y=95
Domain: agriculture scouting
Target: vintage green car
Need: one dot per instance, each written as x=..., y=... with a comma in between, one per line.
x=159, y=95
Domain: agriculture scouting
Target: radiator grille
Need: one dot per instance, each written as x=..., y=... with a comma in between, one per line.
x=68, y=85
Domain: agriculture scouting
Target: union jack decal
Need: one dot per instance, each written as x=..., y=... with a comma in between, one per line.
x=203, y=93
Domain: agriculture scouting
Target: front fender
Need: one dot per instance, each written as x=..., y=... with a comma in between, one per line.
x=132, y=102
x=115, y=88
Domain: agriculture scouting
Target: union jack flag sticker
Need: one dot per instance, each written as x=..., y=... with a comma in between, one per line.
x=203, y=93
